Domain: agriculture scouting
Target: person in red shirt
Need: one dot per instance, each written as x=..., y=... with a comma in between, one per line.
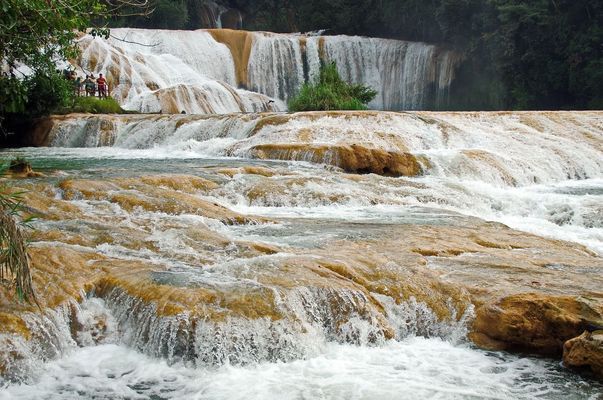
x=102, y=86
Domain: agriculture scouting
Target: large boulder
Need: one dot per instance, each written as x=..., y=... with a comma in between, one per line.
x=532, y=322
x=585, y=350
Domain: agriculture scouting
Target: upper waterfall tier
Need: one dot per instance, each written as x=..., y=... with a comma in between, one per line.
x=221, y=71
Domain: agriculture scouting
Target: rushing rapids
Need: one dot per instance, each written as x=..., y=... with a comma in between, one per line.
x=220, y=71
x=324, y=255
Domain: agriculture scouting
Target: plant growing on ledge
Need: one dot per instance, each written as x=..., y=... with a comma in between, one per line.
x=330, y=92
x=14, y=260
x=94, y=106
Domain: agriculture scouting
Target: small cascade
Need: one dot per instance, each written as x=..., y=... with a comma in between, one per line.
x=54, y=333
x=118, y=318
x=312, y=323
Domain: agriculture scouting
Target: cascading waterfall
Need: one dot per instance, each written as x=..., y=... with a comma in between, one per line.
x=406, y=75
x=169, y=71
x=262, y=256
x=478, y=156
x=471, y=146
x=276, y=65
x=206, y=71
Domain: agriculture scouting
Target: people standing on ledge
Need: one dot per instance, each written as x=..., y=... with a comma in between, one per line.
x=102, y=86
x=89, y=85
x=77, y=86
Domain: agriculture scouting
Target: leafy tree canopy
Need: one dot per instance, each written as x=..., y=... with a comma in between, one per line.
x=34, y=34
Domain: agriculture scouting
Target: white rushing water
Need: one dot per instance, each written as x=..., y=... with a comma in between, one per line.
x=174, y=71
x=537, y=172
x=169, y=71
x=410, y=368
x=415, y=368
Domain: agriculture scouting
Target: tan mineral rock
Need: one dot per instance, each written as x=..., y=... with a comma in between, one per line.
x=585, y=350
x=355, y=158
x=532, y=322
x=529, y=293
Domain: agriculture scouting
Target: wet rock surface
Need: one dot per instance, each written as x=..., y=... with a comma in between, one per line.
x=585, y=350
x=220, y=258
x=154, y=248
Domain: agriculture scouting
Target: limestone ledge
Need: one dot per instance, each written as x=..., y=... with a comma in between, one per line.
x=529, y=293
x=356, y=141
x=585, y=350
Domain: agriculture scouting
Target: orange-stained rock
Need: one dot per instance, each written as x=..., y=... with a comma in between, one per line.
x=585, y=350
x=246, y=170
x=158, y=194
x=21, y=169
x=533, y=322
x=352, y=158
x=239, y=43
x=529, y=293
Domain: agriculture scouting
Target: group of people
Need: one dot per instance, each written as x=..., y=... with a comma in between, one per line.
x=90, y=85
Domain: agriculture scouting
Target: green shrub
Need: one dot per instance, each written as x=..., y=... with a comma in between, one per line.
x=94, y=105
x=330, y=92
x=15, y=266
x=47, y=93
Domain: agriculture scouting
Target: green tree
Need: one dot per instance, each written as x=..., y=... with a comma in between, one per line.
x=34, y=34
x=154, y=14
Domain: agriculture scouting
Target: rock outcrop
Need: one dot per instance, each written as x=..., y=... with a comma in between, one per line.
x=533, y=322
x=585, y=350
x=352, y=158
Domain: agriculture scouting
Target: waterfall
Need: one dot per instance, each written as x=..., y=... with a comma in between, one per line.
x=406, y=75
x=276, y=65
x=169, y=71
x=207, y=71
x=175, y=251
x=485, y=147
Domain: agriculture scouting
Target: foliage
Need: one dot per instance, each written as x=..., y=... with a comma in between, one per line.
x=537, y=54
x=93, y=105
x=34, y=34
x=330, y=92
x=14, y=260
x=47, y=93
x=159, y=14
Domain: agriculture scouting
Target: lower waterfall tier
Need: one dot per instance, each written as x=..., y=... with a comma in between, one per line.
x=189, y=280
x=265, y=242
